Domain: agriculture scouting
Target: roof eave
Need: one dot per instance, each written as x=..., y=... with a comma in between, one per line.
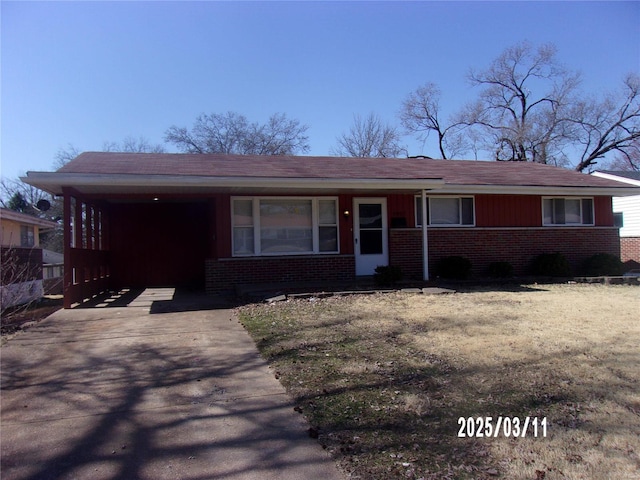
x=540, y=190
x=54, y=182
x=617, y=178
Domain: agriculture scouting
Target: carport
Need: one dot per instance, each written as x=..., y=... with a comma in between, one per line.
x=112, y=241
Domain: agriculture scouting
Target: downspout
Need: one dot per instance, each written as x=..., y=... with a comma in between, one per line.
x=425, y=243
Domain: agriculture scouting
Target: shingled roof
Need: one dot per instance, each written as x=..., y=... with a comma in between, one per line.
x=202, y=171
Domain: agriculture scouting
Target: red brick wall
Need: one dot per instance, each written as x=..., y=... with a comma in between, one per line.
x=405, y=251
x=630, y=249
x=484, y=246
x=226, y=274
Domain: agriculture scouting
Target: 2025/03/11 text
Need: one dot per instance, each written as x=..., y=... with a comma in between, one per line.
x=510, y=427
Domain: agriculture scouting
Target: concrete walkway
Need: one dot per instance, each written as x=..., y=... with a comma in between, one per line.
x=114, y=392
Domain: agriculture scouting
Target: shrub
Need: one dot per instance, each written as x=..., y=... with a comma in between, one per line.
x=455, y=267
x=387, y=275
x=602, y=264
x=501, y=270
x=551, y=265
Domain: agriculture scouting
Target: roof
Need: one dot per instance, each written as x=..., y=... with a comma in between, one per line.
x=24, y=219
x=107, y=172
x=630, y=177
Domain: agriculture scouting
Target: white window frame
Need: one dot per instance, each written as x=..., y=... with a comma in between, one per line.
x=570, y=224
x=417, y=201
x=315, y=228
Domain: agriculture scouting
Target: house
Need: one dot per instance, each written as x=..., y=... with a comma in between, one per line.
x=21, y=255
x=225, y=220
x=627, y=211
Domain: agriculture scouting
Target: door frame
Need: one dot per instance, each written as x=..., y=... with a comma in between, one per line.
x=366, y=263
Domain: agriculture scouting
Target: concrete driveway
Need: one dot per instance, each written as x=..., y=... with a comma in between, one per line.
x=159, y=389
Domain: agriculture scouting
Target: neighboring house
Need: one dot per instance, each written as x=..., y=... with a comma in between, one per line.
x=223, y=220
x=21, y=257
x=627, y=212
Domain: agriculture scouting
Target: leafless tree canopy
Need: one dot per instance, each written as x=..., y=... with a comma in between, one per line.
x=524, y=103
x=130, y=144
x=420, y=115
x=369, y=137
x=233, y=133
x=133, y=145
x=530, y=108
x=611, y=124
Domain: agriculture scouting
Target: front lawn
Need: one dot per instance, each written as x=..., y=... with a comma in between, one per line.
x=385, y=379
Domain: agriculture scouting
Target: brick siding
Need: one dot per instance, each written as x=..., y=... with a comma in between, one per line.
x=228, y=273
x=481, y=245
x=630, y=249
x=486, y=245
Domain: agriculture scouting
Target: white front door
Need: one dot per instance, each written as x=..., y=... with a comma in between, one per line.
x=370, y=234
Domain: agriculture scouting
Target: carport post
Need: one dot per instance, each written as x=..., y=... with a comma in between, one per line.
x=67, y=277
x=425, y=243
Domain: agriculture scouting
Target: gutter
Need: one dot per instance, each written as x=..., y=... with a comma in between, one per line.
x=53, y=182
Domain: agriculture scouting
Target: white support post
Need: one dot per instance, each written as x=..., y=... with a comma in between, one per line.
x=425, y=243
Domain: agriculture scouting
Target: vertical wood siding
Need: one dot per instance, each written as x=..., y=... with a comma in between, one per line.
x=159, y=244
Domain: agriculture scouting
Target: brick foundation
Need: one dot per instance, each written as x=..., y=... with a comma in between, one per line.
x=486, y=245
x=481, y=245
x=630, y=249
x=227, y=273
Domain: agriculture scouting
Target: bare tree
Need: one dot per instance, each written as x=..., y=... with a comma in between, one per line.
x=612, y=124
x=627, y=161
x=420, y=114
x=21, y=197
x=369, y=137
x=233, y=133
x=132, y=144
x=530, y=109
x=524, y=104
x=65, y=155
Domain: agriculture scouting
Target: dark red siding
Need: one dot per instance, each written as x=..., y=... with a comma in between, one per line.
x=508, y=210
x=603, y=210
x=159, y=244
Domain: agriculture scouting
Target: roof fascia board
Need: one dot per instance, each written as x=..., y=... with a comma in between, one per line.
x=54, y=181
x=27, y=219
x=539, y=190
x=617, y=178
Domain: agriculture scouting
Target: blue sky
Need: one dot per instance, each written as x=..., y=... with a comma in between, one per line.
x=84, y=73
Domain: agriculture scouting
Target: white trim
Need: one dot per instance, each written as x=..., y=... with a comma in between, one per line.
x=581, y=224
x=382, y=257
x=446, y=225
x=617, y=178
x=315, y=225
x=100, y=183
x=52, y=182
x=538, y=190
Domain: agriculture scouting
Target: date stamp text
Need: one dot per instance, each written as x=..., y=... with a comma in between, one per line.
x=509, y=427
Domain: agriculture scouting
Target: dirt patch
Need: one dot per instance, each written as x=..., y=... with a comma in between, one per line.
x=19, y=318
x=386, y=378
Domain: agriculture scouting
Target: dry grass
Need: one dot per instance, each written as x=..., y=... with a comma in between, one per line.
x=386, y=377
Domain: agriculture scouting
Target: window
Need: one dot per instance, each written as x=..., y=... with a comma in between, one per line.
x=567, y=211
x=27, y=236
x=284, y=226
x=243, y=227
x=447, y=211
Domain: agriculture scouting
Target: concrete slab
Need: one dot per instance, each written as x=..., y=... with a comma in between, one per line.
x=436, y=291
x=121, y=392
